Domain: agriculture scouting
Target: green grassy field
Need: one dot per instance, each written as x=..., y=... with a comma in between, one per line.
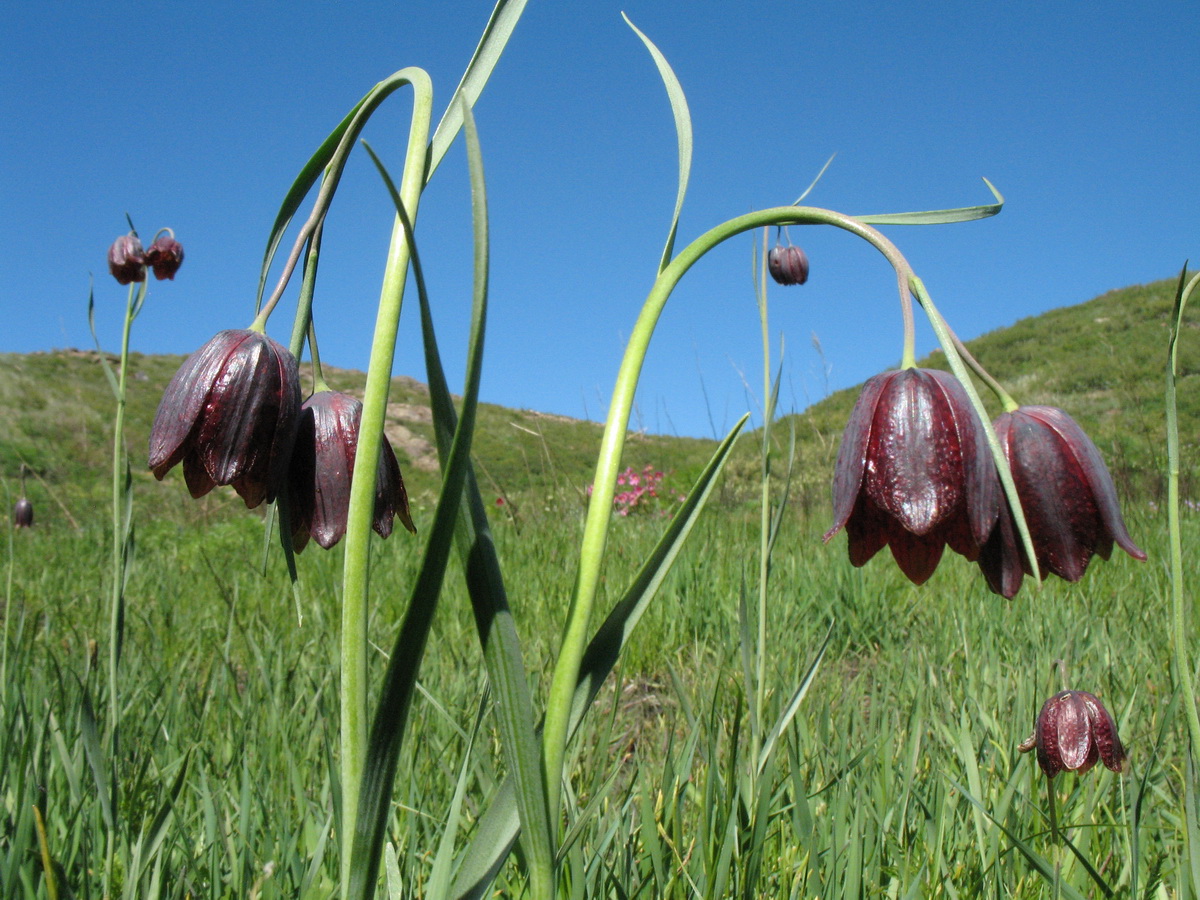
x=899, y=775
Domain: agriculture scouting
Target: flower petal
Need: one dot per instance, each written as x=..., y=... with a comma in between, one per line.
x=852, y=453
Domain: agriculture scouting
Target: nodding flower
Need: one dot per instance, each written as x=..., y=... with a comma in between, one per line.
x=1067, y=495
x=914, y=473
x=1072, y=732
x=321, y=468
x=229, y=415
x=126, y=260
x=787, y=265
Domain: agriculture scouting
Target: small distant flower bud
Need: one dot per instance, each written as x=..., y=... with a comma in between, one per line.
x=23, y=513
x=165, y=256
x=1072, y=732
x=126, y=260
x=788, y=265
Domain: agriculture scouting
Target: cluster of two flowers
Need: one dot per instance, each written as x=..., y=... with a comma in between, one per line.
x=914, y=472
x=232, y=416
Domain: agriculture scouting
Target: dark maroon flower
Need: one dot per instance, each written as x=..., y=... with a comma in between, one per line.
x=165, y=256
x=914, y=473
x=126, y=260
x=1073, y=731
x=1067, y=495
x=229, y=415
x=23, y=513
x=788, y=265
x=321, y=467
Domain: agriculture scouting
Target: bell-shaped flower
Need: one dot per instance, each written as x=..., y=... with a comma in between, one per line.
x=321, y=469
x=1073, y=731
x=229, y=415
x=914, y=473
x=23, y=513
x=126, y=260
x=1067, y=495
x=788, y=265
x=164, y=256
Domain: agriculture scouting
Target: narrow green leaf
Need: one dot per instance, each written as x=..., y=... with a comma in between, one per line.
x=498, y=827
x=391, y=865
x=808, y=190
x=499, y=29
x=107, y=366
x=939, y=216
x=683, y=132
x=153, y=837
x=95, y=757
x=439, y=876
x=793, y=706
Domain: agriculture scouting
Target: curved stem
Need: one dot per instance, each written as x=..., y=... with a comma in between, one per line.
x=333, y=172
x=599, y=511
x=354, y=644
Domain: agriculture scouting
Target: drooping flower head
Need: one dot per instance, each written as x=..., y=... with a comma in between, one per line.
x=164, y=256
x=23, y=513
x=126, y=260
x=321, y=469
x=229, y=415
x=1067, y=495
x=788, y=265
x=1072, y=732
x=914, y=473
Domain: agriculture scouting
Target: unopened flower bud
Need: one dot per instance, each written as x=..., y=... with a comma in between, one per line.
x=23, y=513
x=126, y=260
x=165, y=256
x=788, y=265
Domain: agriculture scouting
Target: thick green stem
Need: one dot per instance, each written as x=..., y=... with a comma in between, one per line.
x=354, y=714
x=764, y=525
x=599, y=511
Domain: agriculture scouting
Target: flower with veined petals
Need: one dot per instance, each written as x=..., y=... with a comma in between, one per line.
x=914, y=473
x=1067, y=495
x=229, y=415
x=164, y=256
x=1072, y=732
x=321, y=469
x=788, y=265
x=126, y=259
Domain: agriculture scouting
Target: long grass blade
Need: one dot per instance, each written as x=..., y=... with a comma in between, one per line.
x=499, y=29
x=793, y=706
x=683, y=133
x=939, y=216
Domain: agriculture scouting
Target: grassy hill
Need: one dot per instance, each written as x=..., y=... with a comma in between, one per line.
x=1101, y=360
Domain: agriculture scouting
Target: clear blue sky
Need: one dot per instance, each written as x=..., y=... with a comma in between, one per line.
x=198, y=116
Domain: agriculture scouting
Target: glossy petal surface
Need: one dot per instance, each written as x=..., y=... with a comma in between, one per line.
x=1067, y=494
x=229, y=416
x=321, y=469
x=1072, y=731
x=910, y=474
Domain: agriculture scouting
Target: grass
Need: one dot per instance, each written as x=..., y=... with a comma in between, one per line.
x=921, y=690
x=898, y=777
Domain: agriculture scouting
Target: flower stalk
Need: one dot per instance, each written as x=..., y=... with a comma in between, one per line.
x=354, y=643
x=599, y=512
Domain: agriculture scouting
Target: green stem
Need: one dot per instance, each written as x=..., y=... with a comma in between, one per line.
x=1180, y=663
x=764, y=525
x=599, y=513
x=355, y=578
x=120, y=465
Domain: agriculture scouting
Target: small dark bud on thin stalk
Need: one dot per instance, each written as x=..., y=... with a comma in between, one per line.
x=165, y=256
x=23, y=513
x=788, y=265
x=126, y=260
